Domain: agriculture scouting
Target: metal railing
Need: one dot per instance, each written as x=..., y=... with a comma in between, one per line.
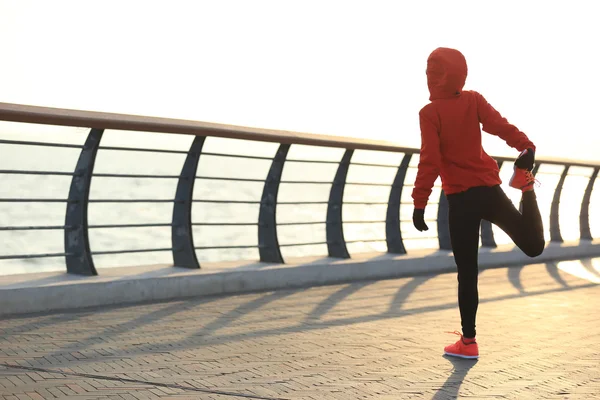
x=80, y=258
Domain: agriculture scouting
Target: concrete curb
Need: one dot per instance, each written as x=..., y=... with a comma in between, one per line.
x=50, y=292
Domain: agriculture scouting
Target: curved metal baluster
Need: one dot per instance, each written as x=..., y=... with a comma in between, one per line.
x=77, y=243
x=393, y=233
x=584, y=215
x=182, y=237
x=487, y=234
x=555, y=235
x=336, y=244
x=268, y=244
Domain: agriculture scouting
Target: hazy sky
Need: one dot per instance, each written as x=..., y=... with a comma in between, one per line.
x=351, y=68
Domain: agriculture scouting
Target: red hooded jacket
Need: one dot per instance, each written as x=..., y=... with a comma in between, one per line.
x=451, y=133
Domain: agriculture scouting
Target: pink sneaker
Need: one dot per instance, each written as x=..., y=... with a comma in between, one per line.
x=464, y=348
x=522, y=179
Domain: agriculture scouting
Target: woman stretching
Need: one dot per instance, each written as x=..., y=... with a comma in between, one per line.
x=451, y=148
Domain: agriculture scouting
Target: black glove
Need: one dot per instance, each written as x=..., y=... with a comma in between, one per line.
x=526, y=161
x=419, y=220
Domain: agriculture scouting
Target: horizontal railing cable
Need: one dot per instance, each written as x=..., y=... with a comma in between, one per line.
x=108, y=252
x=132, y=201
x=27, y=200
x=143, y=150
x=24, y=172
x=156, y=225
x=30, y=256
x=237, y=156
x=225, y=223
x=366, y=203
x=15, y=200
x=148, y=225
x=221, y=178
x=33, y=228
x=376, y=165
x=326, y=222
x=300, y=160
x=296, y=160
x=42, y=144
x=214, y=178
x=365, y=240
x=115, y=175
x=302, y=244
x=253, y=246
x=329, y=183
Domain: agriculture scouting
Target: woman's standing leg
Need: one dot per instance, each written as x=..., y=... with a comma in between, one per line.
x=464, y=221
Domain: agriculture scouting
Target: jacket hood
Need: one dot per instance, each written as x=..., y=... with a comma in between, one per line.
x=446, y=73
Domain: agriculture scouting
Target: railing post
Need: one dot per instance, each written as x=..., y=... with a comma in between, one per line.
x=336, y=244
x=555, y=235
x=487, y=232
x=268, y=244
x=443, y=223
x=77, y=243
x=584, y=215
x=393, y=233
x=182, y=237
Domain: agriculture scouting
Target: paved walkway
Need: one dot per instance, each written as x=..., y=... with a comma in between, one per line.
x=539, y=335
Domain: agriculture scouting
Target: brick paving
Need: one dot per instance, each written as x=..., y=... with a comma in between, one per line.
x=538, y=329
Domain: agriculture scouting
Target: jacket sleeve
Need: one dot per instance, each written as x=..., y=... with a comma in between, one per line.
x=430, y=158
x=497, y=125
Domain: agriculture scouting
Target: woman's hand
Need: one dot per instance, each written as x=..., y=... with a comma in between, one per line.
x=419, y=220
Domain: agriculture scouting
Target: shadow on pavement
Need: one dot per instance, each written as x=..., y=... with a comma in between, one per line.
x=552, y=269
x=514, y=276
x=312, y=322
x=335, y=298
x=405, y=291
x=590, y=267
x=450, y=388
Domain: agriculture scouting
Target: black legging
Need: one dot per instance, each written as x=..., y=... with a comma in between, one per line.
x=467, y=209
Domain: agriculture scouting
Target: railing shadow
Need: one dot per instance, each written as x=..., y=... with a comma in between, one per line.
x=589, y=266
x=311, y=323
x=552, y=269
x=335, y=298
x=142, y=320
x=241, y=310
x=302, y=327
x=514, y=276
x=405, y=291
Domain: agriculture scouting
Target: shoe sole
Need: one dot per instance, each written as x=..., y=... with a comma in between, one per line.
x=461, y=356
x=512, y=179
